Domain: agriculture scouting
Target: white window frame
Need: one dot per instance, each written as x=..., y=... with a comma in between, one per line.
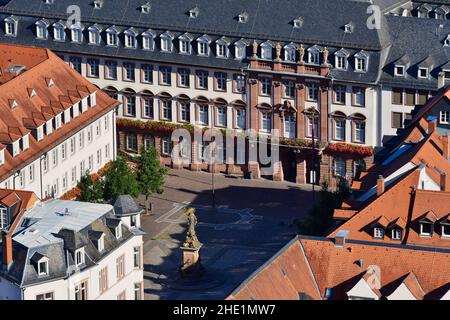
x=266, y=51
x=361, y=62
x=444, y=116
x=396, y=234
x=426, y=234
x=79, y=257
x=378, y=233
x=290, y=53
x=427, y=74
x=40, y=271
x=397, y=69
x=11, y=26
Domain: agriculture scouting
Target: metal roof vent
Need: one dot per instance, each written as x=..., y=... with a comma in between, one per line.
x=243, y=17
x=145, y=8
x=298, y=23
x=193, y=13
x=98, y=4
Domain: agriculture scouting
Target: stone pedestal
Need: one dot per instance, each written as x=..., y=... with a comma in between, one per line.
x=255, y=170
x=191, y=261
x=278, y=173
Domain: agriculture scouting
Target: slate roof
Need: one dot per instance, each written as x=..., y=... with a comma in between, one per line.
x=125, y=205
x=45, y=232
x=312, y=265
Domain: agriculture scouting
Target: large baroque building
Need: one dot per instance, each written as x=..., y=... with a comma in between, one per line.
x=55, y=125
x=274, y=65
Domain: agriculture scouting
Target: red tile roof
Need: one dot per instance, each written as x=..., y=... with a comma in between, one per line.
x=334, y=267
x=42, y=68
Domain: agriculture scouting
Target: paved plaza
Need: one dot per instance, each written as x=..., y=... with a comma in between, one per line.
x=236, y=238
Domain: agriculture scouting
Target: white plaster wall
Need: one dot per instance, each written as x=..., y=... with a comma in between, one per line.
x=401, y=293
x=156, y=88
x=64, y=289
x=56, y=173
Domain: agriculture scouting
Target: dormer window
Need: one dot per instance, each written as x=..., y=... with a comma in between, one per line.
x=101, y=243
x=166, y=42
x=193, y=13
x=266, y=51
x=41, y=29
x=15, y=148
x=348, y=28
x=42, y=267
x=148, y=40
x=118, y=231
x=112, y=38
x=130, y=38
x=11, y=26
x=447, y=41
x=222, y=48
x=243, y=17
x=440, y=13
x=445, y=229
x=290, y=52
x=145, y=8
x=98, y=4
x=361, y=62
x=313, y=55
x=203, y=45
x=58, y=121
x=94, y=35
x=426, y=229
x=25, y=142
x=399, y=71
x=40, y=133
x=76, y=33
x=59, y=33
x=298, y=23
x=396, y=234
x=185, y=43
x=49, y=127
x=422, y=73
x=4, y=220
x=340, y=59
x=378, y=232
x=79, y=257
x=240, y=49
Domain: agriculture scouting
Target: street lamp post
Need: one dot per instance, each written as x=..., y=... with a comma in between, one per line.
x=213, y=167
x=313, y=118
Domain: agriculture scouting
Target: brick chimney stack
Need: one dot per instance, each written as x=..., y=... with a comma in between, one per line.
x=7, y=250
x=380, y=185
x=431, y=126
x=446, y=149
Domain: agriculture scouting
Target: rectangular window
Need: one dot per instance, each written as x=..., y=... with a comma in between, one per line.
x=81, y=291
x=221, y=81
x=45, y=296
x=93, y=68
x=72, y=145
x=103, y=279
x=138, y=291
x=148, y=107
x=110, y=70
x=166, y=109
x=410, y=97
x=444, y=117
x=397, y=96
x=183, y=77
x=378, y=233
x=240, y=118
x=91, y=163
x=289, y=126
x=107, y=156
x=75, y=63
x=131, y=142
x=239, y=83
x=120, y=267
x=266, y=121
x=147, y=73
x=222, y=116
x=396, y=234
x=137, y=257
x=313, y=92
x=166, y=146
x=73, y=175
x=203, y=115
x=202, y=79
x=339, y=94
x=359, y=97
x=55, y=157
x=31, y=172
x=266, y=87
x=309, y=132
x=339, y=129
x=81, y=139
x=165, y=77
x=422, y=97
x=289, y=89
x=185, y=111
x=397, y=120
x=360, y=132
x=129, y=71
x=130, y=105
x=339, y=167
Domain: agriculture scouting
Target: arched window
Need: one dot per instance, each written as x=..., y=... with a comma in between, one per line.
x=222, y=47
x=94, y=34
x=339, y=121
x=314, y=55
x=76, y=32
x=359, y=128
x=166, y=41
x=148, y=40
x=340, y=59
x=147, y=104
x=11, y=26
x=203, y=45
x=112, y=92
x=129, y=102
x=165, y=100
x=240, y=48
x=185, y=43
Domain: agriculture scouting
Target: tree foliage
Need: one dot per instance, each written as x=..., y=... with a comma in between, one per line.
x=150, y=172
x=120, y=180
x=90, y=190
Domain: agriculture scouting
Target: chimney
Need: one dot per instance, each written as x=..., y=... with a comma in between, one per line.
x=431, y=126
x=445, y=183
x=7, y=250
x=446, y=149
x=340, y=238
x=380, y=186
